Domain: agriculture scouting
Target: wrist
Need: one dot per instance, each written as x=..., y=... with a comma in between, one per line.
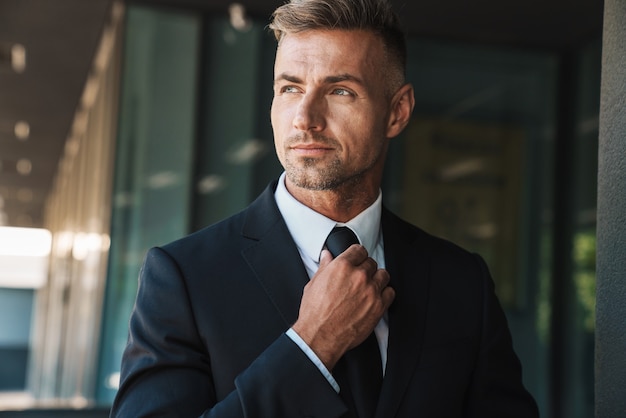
x=324, y=347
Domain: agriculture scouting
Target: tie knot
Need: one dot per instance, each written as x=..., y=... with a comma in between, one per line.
x=339, y=239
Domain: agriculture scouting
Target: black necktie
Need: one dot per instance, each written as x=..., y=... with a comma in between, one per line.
x=339, y=239
x=363, y=367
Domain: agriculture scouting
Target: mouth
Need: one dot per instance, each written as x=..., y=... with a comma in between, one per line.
x=312, y=149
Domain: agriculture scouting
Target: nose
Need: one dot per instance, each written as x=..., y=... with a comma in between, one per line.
x=310, y=113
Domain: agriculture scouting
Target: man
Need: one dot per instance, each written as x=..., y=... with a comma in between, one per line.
x=253, y=316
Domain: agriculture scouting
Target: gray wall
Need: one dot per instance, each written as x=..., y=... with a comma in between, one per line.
x=611, y=247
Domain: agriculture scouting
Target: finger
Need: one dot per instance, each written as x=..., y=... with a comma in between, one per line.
x=325, y=258
x=381, y=279
x=387, y=296
x=355, y=254
x=370, y=265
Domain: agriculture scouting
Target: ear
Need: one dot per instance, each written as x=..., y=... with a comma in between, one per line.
x=402, y=105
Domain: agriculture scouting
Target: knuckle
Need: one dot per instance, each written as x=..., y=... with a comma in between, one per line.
x=373, y=263
x=361, y=276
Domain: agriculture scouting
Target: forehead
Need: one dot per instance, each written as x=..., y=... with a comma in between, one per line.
x=356, y=52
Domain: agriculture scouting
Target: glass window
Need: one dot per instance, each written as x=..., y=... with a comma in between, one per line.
x=154, y=162
x=235, y=150
x=16, y=306
x=474, y=166
x=579, y=341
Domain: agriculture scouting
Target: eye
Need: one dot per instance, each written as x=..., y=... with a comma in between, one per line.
x=342, y=92
x=288, y=89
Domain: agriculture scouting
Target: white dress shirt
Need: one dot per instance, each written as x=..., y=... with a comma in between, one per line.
x=309, y=230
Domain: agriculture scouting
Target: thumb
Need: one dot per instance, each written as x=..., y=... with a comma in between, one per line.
x=325, y=258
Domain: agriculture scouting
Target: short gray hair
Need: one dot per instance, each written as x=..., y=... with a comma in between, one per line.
x=375, y=16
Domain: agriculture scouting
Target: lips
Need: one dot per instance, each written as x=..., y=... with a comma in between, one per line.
x=310, y=150
x=311, y=147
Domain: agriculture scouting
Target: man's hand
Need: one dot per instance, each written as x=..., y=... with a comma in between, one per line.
x=342, y=303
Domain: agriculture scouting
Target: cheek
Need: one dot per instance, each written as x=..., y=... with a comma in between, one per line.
x=278, y=143
x=273, y=114
x=277, y=118
x=363, y=131
x=367, y=143
x=281, y=116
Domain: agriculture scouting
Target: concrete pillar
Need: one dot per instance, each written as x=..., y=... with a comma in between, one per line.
x=611, y=245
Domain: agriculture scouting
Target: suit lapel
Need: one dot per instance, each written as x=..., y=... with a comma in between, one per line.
x=273, y=256
x=409, y=269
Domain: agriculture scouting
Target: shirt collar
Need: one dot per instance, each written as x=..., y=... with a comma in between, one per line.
x=310, y=229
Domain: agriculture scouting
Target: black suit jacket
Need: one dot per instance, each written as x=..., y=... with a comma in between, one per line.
x=207, y=334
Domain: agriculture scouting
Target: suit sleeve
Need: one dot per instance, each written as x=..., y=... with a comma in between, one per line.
x=496, y=389
x=166, y=369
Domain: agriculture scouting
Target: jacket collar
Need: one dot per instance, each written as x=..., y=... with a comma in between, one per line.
x=409, y=268
x=273, y=256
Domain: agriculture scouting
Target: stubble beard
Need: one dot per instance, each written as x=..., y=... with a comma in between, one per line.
x=311, y=174
x=319, y=174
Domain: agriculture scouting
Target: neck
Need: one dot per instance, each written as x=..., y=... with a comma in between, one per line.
x=339, y=204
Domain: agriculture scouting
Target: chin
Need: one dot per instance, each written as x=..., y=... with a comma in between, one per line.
x=311, y=182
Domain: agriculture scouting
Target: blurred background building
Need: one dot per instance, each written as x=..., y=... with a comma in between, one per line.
x=127, y=124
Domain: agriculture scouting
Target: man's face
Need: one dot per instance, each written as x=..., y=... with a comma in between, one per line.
x=331, y=108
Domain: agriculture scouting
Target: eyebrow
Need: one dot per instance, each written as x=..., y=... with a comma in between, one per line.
x=328, y=80
x=287, y=77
